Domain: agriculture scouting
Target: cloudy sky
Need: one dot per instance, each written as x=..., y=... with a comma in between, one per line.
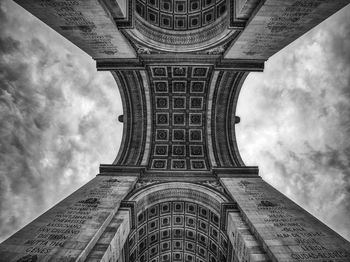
x=58, y=119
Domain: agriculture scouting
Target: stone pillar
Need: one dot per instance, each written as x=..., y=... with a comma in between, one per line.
x=284, y=230
x=110, y=245
x=70, y=230
x=245, y=246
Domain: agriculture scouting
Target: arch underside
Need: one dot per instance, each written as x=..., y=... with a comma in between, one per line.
x=180, y=93
x=179, y=117
x=181, y=26
x=178, y=222
x=178, y=231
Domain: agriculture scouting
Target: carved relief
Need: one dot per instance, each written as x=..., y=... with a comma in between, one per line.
x=289, y=18
x=143, y=50
x=214, y=184
x=177, y=38
x=144, y=183
x=28, y=258
x=216, y=51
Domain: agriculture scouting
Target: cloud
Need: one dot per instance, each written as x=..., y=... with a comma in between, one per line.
x=296, y=121
x=57, y=118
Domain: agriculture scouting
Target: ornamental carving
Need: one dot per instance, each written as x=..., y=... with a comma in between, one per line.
x=182, y=230
x=214, y=184
x=179, y=116
x=180, y=14
x=142, y=184
x=181, y=38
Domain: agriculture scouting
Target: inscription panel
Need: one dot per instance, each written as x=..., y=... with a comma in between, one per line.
x=85, y=23
x=109, y=246
x=287, y=231
x=69, y=230
x=245, y=246
x=278, y=23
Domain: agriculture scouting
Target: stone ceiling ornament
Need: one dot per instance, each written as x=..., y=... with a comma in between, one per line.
x=181, y=26
x=143, y=50
x=216, y=51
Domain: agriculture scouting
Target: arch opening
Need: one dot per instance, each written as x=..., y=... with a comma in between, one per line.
x=181, y=15
x=181, y=26
x=178, y=222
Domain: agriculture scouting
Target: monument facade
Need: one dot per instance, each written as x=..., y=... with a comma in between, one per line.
x=178, y=189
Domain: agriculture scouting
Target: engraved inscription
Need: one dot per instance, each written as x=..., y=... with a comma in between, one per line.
x=286, y=221
x=68, y=223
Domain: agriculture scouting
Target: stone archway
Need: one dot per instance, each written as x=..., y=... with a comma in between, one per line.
x=178, y=221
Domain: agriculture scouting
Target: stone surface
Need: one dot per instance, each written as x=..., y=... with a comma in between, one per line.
x=178, y=221
x=86, y=23
x=278, y=23
x=123, y=7
x=181, y=15
x=179, y=108
x=68, y=231
x=178, y=231
x=109, y=246
x=179, y=117
x=287, y=232
x=246, y=247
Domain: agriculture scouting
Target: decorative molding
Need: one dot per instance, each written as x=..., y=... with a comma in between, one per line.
x=224, y=103
x=130, y=205
x=230, y=118
x=171, y=175
x=146, y=59
x=225, y=209
x=179, y=38
x=238, y=21
x=145, y=183
x=181, y=15
x=132, y=90
x=178, y=231
x=246, y=171
x=178, y=115
x=106, y=169
x=146, y=84
x=171, y=215
x=142, y=49
x=149, y=59
x=219, y=50
x=241, y=65
x=178, y=190
x=119, y=64
x=213, y=184
x=128, y=21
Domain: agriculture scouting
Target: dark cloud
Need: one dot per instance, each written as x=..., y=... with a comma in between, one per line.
x=298, y=130
x=57, y=118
